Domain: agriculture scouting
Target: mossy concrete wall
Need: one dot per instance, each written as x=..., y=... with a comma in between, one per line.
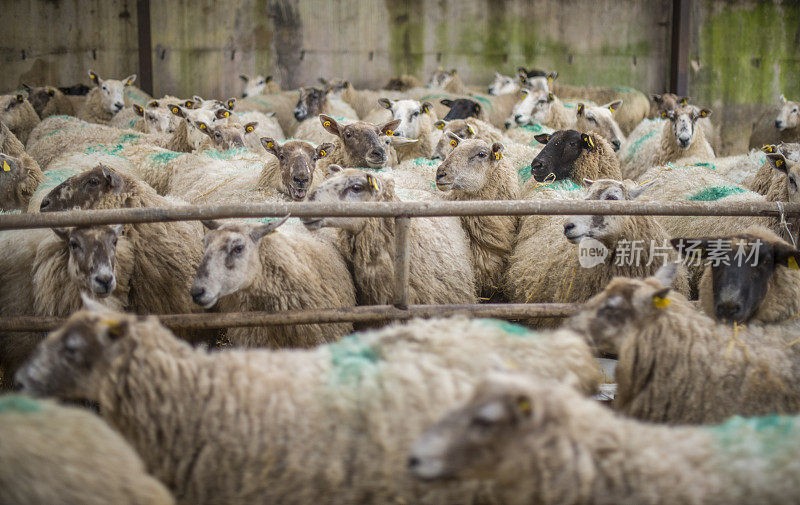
x=743, y=53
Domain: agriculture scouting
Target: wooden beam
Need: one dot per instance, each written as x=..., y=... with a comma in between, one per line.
x=145, y=80
x=679, y=55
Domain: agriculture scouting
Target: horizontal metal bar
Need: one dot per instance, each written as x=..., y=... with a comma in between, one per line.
x=361, y=314
x=394, y=209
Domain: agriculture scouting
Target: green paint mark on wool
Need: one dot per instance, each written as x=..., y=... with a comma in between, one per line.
x=524, y=174
x=165, y=157
x=132, y=123
x=569, y=105
x=129, y=138
x=534, y=128
x=622, y=89
x=19, y=404
x=714, y=193
x=424, y=162
x=225, y=155
x=55, y=177
x=709, y=166
x=758, y=435
x=637, y=144
x=510, y=328
x=351, y=358
x=562, y=185
x=104, y=149
x=50, y=134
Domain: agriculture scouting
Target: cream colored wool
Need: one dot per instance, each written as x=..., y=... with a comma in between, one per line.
x=59, y=454
x=569, y=450
x=127, y=119
x=365, y=101
x=20, y=182
x=340, y=419
x=282, y=104
x=635, y=109
x=58, y=105
x=679, y=366
x=94, y=109
x=762, y=180
x=19, y=117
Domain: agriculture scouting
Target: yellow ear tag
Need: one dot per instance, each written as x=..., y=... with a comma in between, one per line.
x=684, y=101
x=703, y=113
x=767, y=148
x=188, y=103
x=590, y=141
x=174, y=110
x=454, y=143
x=524, y=406
x=470, y=130
x=389, y=133
x=20, y=98
x=326, y=124
x=202, y=126
x=270, y=145
x=440, y=126
x=230, y=104
x=612, y=109
x=549, y=80
x=7, y=168
x=323, y=153
x=373, y=182
x=498, y=155
x=249, y=129
x=663, y=115
x=226, y=114
x=661, y=303
x=425, y=109
x=778, y=163
x=792, y=263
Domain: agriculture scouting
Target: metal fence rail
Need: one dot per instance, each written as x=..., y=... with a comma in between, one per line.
x=402, y=212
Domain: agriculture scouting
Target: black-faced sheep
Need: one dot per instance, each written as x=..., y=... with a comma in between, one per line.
x=250, y=266
x=49, y=101
x=58, y=454
x=542, y=443
x=366, y=397
x=439, y=249
x=569, y=154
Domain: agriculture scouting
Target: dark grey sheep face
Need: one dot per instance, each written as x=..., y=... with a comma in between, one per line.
x=83, y=190
x=562, y=149
x=461, y=108
x=310, y=104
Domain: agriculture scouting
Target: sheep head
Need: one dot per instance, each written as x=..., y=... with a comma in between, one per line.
x=600, y=120
x=84, y=190
x=503, y=85
x=561, y=151
x=112, y=91
x=788, y=116
x=461, y=108
x=310, y=103
x=409, y=113
x=441, y=78
x=66, y=364
x=606, y=229
x=459, y=127
x=92, y=256
x=224, y=136
x=349, y=185
x=684, y=123
x=231, y=259
x=297, y=160
x=741, y=268
x=469, y=165
x=365, y=144
x=254, y=85
x=157, y=117
x=791, y=169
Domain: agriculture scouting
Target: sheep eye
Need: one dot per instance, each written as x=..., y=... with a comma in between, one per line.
x=793, y=182
x=591, y=119
x=282, y=157
x=611, y=197
x=93, y=182
x=481, y=155
x=481, y=422
x=237, y=249
x=114, y=242
x=415, y=114
x=357, y=188
x=74, y=244
x=348, y=134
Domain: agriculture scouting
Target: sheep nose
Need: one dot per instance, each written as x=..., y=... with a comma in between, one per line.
x=197, y=294
x=413, y=462
x=508, y=125
x=300, y=180
x=536, y=166
x=568, y=227
x=727, y=310
x=118, y=106
x=616, y=144
x=778, y=124
x=18, y=386
x=440, y=175
x=518, y=118
x=103, y=280
x=378, y=153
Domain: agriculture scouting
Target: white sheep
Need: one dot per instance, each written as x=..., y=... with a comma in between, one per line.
x=368, y=397
x=542, y=443
x=18, y=115
x=58, y=454
x=777, y=125
x=105, y=100
x=259, y=85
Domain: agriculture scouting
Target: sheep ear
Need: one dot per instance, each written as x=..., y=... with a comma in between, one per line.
x=587, y=182
x=250, y=127
x=265, y=229
x=385, y=103
x=551, y=97
x=470, y=130
x=177, y=110
x=330, y=124
x=659, y=297
x=244, y=77
x=230, y=103
x=20, y=98
x=704, y=113
x=270, y=145
x=389, y=128
x=543, y=138
x=323, y=81
x=656, y=98
x=117, y=229
x=26, y=87
x=439, y=125
x=153, y=104
x=138, y=109
x=130, y=80
x=785, y=255
x=446, y=102
x=666, y=273
x=497, y=151
x=203, y=128
x=62, y=233
x=211, y=224
x=588, y=141
x=454, y=139
x=768, y=148
x=96, y=78
x=552, y=76
x=637, y=191
x=222, y=113
x=324, y=149
x=580, y=110
x=427, y=107
x=524, y=91
x=523, y=406
x=614, y=106
x=684, y=100
x=778, y=162
x=782, y=99
x=334, y=169
x=374, y=183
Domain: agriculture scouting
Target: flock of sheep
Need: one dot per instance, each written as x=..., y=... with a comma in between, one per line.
x=438, y=411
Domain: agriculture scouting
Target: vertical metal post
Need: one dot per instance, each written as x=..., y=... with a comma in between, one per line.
x=401, y=261
x=679, y=54
x=145, y=80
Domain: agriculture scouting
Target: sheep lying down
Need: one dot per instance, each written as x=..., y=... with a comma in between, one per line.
x=543, y=443
x=330, y=425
